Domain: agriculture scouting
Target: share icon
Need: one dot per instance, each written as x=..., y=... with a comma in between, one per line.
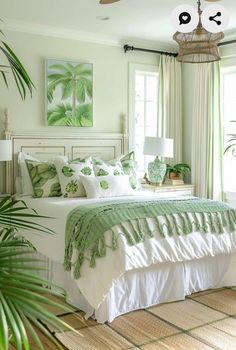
x=212, y=18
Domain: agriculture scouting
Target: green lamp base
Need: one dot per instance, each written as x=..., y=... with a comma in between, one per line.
x=156, y=171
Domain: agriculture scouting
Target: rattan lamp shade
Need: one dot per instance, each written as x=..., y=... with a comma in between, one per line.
x=199, y=46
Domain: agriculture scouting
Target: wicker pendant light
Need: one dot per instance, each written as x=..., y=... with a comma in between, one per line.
x=198, y=46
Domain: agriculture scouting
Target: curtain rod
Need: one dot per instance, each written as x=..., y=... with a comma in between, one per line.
x=132, y=48
x=174, y=54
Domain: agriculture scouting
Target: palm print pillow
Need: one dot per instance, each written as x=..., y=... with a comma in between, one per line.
x=69, y=173
x=43, y=176
x=102, y=168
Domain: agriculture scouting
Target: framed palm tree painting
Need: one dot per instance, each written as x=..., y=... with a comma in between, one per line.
x=69, y=93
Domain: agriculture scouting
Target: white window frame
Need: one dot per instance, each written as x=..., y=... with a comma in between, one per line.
x=133, y=68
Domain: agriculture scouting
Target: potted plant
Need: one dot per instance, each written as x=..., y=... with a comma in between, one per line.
x=231, y=142
x=177, y=171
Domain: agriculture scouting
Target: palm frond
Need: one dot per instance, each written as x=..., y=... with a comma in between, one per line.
x=13, y=213
x=21, y=77
x=22, y=294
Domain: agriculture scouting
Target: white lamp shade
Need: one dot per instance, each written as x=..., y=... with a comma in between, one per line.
x=157, y=146
x=5, y=150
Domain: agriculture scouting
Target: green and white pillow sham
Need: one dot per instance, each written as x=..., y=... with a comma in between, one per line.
x=44, y=179
x=25, y=180
x=107, y=186
x=102, y=168
x=69, y=173
x=129, y=167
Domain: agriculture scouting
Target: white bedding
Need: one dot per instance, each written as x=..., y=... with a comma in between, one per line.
x=116, y=264
x=57, y=208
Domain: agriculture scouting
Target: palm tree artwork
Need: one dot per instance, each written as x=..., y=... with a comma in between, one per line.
x=69, y=93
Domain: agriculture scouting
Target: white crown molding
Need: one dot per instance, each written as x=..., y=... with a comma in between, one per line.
x=39, y=29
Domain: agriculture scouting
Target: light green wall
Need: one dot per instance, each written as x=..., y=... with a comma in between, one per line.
x=110, y=80
x=110, y=68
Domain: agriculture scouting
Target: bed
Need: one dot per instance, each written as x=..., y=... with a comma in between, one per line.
x=126, y=279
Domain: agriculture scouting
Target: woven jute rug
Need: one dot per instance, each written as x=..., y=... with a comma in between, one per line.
x=204, y=321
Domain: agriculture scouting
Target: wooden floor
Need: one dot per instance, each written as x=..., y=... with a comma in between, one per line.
x=204, y=321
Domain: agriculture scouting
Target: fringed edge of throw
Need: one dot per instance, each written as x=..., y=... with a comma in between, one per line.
x=190, y=222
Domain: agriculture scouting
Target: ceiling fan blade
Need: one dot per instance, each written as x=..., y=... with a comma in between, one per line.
x=105, y=2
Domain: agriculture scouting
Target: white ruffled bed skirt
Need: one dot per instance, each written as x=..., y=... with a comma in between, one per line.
x=144, y=287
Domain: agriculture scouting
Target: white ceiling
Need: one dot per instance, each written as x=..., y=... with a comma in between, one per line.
x=129, y=19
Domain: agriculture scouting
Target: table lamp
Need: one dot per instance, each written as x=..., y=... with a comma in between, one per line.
x=5, y=151
x=159, y=147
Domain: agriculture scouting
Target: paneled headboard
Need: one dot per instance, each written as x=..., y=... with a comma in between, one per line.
x=45, y=146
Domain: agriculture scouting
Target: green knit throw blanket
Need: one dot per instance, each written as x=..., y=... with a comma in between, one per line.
x=86, y=225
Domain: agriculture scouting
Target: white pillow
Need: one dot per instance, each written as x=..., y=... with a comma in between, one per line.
x=69, y=175
x=107, y=186
x=26, y=184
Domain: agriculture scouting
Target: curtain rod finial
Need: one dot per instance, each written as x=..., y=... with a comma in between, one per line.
x=128, y=48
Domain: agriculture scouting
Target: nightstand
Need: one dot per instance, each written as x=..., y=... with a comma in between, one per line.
x=171, y=190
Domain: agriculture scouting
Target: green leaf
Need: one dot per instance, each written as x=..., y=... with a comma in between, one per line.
x=11, y=322
x=102, y=172
x=20, y=75
x=67, y=171
x=104, y=185
x=3, y=329
x=86, y=171
x=20, y=325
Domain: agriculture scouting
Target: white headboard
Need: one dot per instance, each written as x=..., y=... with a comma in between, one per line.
x=45, y=146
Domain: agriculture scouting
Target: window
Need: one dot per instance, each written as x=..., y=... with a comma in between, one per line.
x=144, y=109
x=229, y=115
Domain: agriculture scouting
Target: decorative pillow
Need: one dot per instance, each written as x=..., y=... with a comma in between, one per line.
x=107, y=186
x=26, y=184
x=69, y=175
x=44, y=179
x=102, y=168
x=129, y=167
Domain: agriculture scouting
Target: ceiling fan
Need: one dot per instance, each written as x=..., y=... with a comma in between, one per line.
x=106, y=2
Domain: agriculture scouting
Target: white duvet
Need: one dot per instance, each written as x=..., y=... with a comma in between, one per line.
x=95, y=283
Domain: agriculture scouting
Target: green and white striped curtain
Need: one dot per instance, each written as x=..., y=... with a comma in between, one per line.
x=170, y=103
x=207, y=133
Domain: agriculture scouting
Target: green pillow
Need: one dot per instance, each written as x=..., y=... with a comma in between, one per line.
x=43, y=176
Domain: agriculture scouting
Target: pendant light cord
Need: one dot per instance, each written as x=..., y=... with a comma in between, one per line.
x=199, y=7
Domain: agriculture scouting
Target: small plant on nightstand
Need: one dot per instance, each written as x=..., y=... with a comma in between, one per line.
x=231, y=142
x=177, y=171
